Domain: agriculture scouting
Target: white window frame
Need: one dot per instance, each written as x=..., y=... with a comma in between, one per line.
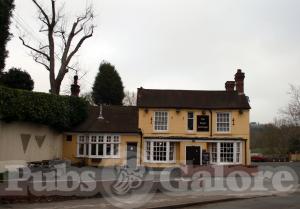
x=187, y=121
x=154, y=121
x=229, y=123
x=152, y=151
x=82, y=140
x=236, y=145
x=97, y=139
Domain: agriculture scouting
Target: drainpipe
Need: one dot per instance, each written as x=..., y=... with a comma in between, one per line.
x=246, y=152
x=141, y=147
x=211, y=123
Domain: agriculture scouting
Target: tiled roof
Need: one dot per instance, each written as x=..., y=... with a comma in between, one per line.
x=152, y=98
x=117, y=119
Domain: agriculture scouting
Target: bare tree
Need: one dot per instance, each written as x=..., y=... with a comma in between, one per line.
x=291, y=113
x=63, y=42
x=130, y=98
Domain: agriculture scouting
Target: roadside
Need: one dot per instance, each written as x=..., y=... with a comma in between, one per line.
x=275, y=202
x=159, y=191
x=158, y=201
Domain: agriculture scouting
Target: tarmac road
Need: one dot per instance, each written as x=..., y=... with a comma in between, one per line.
x=291, y=201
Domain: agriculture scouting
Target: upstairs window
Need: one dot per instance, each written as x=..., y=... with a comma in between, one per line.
x=190, y=121
x=223, y=122
x=161, y=121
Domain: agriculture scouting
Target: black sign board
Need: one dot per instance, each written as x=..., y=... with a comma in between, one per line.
x=203, y=123
x=205, y=158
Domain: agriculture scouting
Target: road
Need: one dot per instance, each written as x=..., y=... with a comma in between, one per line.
x=291, y=201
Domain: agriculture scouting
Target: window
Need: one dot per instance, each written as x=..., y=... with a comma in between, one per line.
x=160, y=152
x=69, y=138
x=161, y=121
x=214, y=153
x=223, y=122
x=190, y=121
x=172, y=151
x=225, y=152
x=148, y=151
x=87, y=148
x=93, y=145
x=101, y=146
x=238, y=152
x=81, y=146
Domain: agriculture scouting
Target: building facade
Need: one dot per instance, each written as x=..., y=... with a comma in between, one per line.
x=168, y=128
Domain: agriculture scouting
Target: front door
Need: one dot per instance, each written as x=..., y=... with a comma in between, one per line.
x=193, y=155
x=132, y=155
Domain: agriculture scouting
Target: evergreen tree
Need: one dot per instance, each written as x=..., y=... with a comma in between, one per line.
x=6, y=9
x=17, y=79
x=108, y=87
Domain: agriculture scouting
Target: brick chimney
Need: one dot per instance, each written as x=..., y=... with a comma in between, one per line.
x=239, y=81
x=75, y=88
x=230, y=85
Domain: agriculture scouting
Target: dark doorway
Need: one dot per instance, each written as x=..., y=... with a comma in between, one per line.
x=193, y=155
x=132, y=155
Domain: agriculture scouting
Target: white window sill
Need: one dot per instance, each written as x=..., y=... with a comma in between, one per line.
x=160, y=131
x=226, y=163
x=98, y=157
x=220, y=133
x=161, y=162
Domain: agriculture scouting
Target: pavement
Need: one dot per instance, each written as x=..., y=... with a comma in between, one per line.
x=157, y=201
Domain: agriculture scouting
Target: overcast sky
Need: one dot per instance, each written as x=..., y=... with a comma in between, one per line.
x=183, y=44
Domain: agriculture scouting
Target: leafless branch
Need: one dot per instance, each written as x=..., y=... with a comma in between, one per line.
x=42, y=12
x=33, y=49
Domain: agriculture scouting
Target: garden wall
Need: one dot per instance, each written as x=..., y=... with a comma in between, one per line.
x=23, y=141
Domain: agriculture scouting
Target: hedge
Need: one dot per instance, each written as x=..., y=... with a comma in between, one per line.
x=59, y=112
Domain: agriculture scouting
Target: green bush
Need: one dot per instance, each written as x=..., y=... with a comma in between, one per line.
x=59, y=112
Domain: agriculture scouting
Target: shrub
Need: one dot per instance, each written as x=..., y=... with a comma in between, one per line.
x=17, y=79
x=59, y=112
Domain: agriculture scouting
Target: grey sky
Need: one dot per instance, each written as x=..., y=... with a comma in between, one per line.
x=185, y=44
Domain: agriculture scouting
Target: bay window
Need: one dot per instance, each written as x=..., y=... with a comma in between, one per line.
x=98, y=146
x=225, y=153
x=160, y=152
x=214, y=153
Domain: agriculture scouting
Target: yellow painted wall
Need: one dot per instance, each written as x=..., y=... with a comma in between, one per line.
x=70, y=151
x=178, y=123
x=178, y=127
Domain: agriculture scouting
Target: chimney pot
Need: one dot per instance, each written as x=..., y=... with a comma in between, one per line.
x=75, y=88
x=230, y=85
x=239, y=81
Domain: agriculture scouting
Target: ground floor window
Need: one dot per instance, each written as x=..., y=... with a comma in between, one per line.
x=98, y=146
x=160, y=152
x=225, y=153
x=82, y=146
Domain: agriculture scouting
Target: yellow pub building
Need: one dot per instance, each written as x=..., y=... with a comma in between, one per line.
x=167, y=128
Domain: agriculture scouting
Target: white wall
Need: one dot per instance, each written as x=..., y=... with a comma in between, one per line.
x=11, y=148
